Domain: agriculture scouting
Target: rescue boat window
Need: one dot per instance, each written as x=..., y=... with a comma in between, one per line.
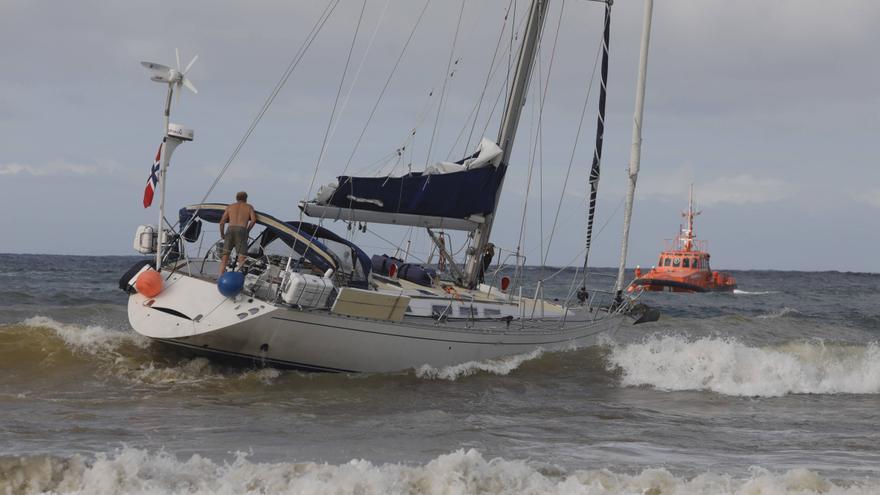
x=667, y=262
x=686, y=263
x=676, y=261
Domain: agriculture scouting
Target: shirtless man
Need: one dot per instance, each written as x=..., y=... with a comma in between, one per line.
x=241, y=219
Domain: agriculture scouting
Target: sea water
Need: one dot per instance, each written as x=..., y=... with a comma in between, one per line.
x=774, y=389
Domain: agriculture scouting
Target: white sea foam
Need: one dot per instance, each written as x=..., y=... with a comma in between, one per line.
x=785, y=311
x=754, y=293
x=135, y=471
x=500, y=366
x=726, y=366
x=194, y=371
x=91, y=339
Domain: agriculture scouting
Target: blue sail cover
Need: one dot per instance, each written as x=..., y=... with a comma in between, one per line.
x=453, y=195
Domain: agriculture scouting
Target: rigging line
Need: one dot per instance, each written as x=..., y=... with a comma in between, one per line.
x=396, y=246
x=539, y=146
x=380, y=162
x=543, y=88
x=310, y=38
x=494, y=69
x=333, y=111
x=574, y=147
x=423, y=115
x=533, y=137
x=506, y=85
x=357, y=73
x=385, y=87
x=460, y=134
x=336, y=100
x=446, y=78
x=540, y=137
x=598, y=232
x=501, y=93
x=489, y=75
x=404, y=147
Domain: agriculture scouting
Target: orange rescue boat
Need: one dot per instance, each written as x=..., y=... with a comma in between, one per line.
x=684, y=267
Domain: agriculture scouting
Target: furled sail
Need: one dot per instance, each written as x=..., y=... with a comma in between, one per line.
x=453, y=195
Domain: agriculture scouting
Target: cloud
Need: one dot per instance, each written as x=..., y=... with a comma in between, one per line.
x=744, y=189
x=53, y=168
x=871, y=197
x=737, y=190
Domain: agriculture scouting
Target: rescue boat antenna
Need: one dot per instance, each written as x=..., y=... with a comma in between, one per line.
x=686, y=237
x=636, y=149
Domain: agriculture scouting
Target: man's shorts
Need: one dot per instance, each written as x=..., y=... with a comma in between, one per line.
x=236, y=237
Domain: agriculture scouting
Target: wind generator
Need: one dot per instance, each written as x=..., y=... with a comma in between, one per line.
x=173, y=135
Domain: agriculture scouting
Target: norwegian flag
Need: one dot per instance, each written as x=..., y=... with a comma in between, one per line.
x=153, y=180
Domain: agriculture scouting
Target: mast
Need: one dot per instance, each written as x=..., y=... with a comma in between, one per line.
x=507, y=132
x=595, y=169
x=636, y=150
x=162, y=172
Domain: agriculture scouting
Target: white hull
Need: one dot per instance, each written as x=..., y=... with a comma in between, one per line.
x=191, y=313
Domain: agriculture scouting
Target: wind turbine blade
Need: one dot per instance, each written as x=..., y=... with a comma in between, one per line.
x=190, y=86
x=177, y=56
x=190, y=64
x=156, y=67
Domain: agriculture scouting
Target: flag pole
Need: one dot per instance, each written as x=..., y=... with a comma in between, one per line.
x=162, y=172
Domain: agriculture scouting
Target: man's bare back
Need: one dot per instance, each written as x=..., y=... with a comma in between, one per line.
x=241, y=218
x=238, y=214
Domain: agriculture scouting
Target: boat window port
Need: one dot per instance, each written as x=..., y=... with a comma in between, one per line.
x=676, y=261
x=666, y=262
x=685, y=263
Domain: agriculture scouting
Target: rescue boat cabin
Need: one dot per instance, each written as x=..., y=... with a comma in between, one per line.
x=695, y=260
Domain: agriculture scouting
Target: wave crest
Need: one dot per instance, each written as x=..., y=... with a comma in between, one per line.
x=136, y=471
x=500, y=366
x=42, y=344
x=726, y=366
x=90, y=339
x=781, y=313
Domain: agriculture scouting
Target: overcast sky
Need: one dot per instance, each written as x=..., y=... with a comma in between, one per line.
x=771, y=108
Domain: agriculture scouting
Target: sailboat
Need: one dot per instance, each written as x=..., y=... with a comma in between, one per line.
x=312, y=300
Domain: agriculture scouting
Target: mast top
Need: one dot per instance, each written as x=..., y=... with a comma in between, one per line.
x=687, y=235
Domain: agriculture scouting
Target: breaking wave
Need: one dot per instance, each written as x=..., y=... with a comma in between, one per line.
x=754, y=293
x=726, y=366
x=46, y=347
x=135, y=471
x=786, y=311
x=500, y=366
x=91, y=339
